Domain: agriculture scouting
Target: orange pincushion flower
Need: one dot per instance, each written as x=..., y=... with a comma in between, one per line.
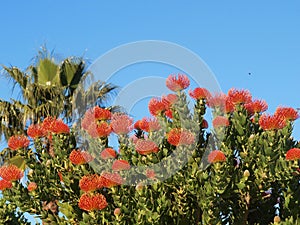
x=178, y=136
x=169, y=113
x=109, y=180
x=156, y=106
x=217, y=101
x=150, y=173
x=4, y=184
x=169, y=100
x=11, y=173
x=216, y=156
x=256, y=106
x=287, y=113
x=274, y=122
x=293, y=154
x=239, y=96
x=108, y=153
x=120, y=164
x=220, y=121
x=101, y=114
x=145, y=147
x=17, y=142
x=142, y=124
x=89, y=182
x=200, y=93
x=32, y=186
x=79, y=157
x=35, y=131
x=121, y=123
x=177, y=83
x=53, y=125
x=102, y=129
x=89, y=202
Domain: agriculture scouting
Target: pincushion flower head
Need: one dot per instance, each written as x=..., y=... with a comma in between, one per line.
x=220, y=101
x=108, y=153
x=200, y=93
x=32, y=186
x=91, y=202
x=293, y=154
x=4, y=184
x=239, y=96
x=56, y=126
x=156, y=107
x=121, y=123
x=11, y=172
x=145, y=147
x=179, y=136
x=220, y=121
x=256, y=106
x=79, y=157
x=109, y=180
x=100, y=129
x=17, y=142
x=169, y=100
x=272, y=122
x=89, y=182
x=177, y=83
x=120, y=164
x=35, y=131
x=216, y=156
x=93, y=115
x=287, y=113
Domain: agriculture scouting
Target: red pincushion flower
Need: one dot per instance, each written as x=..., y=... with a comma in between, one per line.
x=220, y=121
x=156, y=107
x=239, y=96
x=89, y=182
x=142, y=124
x=79, y=157
x=177, y=83
x=17, y=142
x=121, y=123
x=101, y=114
x=109, y=180
x=53, y=125
x=102, y=129
x=11, y=173
x=147, y=124
x=293, y=154
x=268, y=122
x=90, y=202
x=169, y=100
x=150, y=173
x=32, y=186
x=169, y=113
x=200, y=93
x=4, y=184
x=35, y=131
x=145, y=147
x=178, y=136
x=108, y=153
x=256, y=106
x=216, y=156
x=217, y=101
x=120, y=164
x=287, y=113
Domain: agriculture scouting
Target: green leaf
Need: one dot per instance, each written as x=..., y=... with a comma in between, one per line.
x=47, y=72
x=18, y=161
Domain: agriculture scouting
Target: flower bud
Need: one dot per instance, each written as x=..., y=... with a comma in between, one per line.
x=246, y=173
x=276, y=219
x=117, y=211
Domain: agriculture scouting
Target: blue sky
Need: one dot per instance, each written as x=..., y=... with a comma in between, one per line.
x=232, y=37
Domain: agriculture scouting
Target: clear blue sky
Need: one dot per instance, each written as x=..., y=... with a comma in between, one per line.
x=232, y=37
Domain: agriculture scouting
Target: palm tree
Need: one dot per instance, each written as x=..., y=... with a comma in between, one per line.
x=47, y=89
